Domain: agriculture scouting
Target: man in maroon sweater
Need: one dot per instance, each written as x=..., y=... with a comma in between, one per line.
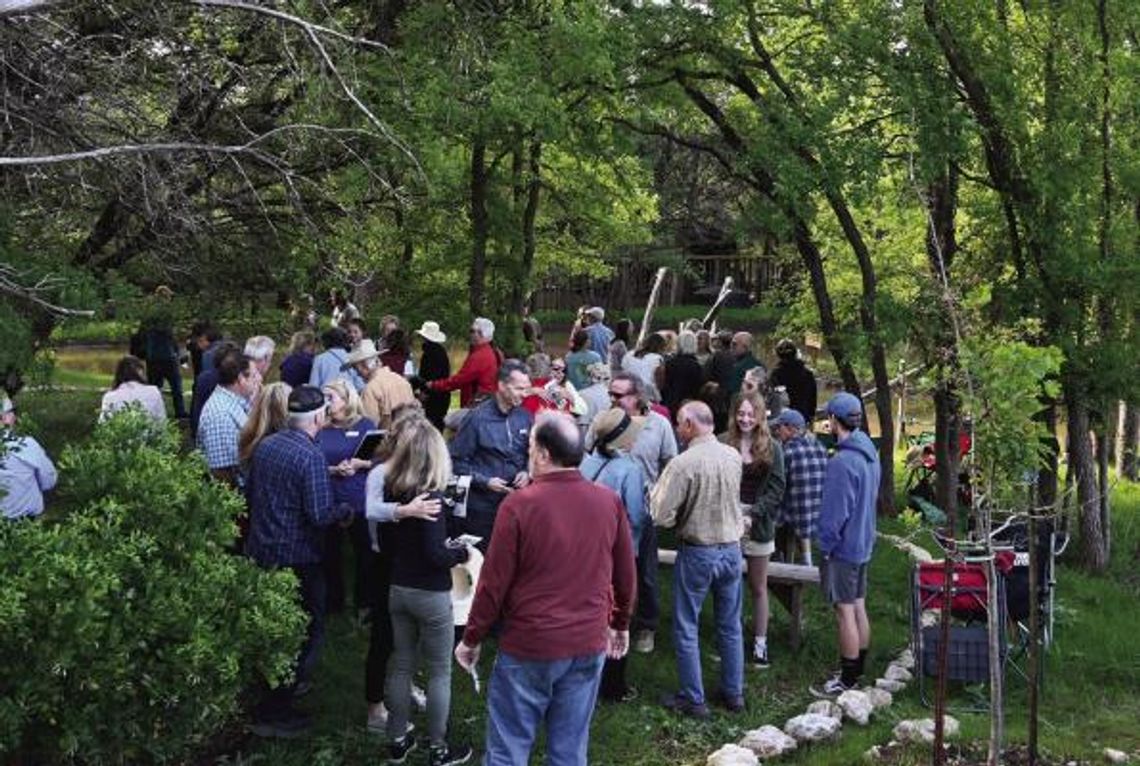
x=560, y=576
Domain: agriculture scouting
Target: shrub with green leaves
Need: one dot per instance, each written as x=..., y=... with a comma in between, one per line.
x=127, y=632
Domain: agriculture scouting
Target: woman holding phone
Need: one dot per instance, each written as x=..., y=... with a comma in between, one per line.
x=339, y=440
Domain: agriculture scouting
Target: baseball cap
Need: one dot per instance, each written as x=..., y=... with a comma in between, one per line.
x=844, y=405
x=790, y=417
x=303, y=399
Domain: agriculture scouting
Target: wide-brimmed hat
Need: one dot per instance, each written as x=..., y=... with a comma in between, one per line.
x=364, y=350
x=616, y=429
x=430, y=331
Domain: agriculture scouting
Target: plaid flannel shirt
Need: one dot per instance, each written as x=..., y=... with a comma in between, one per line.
x=290, y=500
x=222, y=419
x=805, y=464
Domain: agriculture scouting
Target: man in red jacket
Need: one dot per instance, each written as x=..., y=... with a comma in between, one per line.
x=560, y=577
x=478, y=377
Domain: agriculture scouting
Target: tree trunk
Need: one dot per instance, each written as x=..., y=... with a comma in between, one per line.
x=813, y=262
x=941, y=249
x=521, y=287
x=480, y=225
x=1082, y=465
x=947, y=458
x=1047, y=475
x=1126, y=461
x=1104, y=507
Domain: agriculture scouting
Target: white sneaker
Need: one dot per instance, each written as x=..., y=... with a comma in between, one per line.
x=378, y=722
x=378, y=719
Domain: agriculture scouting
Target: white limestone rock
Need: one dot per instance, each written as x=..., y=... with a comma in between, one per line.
x=879, y=697
x=733, y=755
x=905, y=659
x=898, y=673
x=1115, y=756
x=889, y=685
x=856, y=706
x=768, y=742
x=812, y=727
x=825, y=707
x=921, y=730
x=873, y=755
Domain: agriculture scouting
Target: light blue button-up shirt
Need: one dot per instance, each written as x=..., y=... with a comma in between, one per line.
x=26, y=472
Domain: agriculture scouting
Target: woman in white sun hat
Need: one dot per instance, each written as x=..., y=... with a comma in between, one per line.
x=434, y=365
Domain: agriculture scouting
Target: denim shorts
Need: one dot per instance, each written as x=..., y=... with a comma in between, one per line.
x=841, y=582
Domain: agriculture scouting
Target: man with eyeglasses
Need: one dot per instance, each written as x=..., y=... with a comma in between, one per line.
x=656, y=445
x=478, y=377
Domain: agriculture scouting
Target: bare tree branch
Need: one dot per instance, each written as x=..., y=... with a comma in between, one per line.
x=308, y=26
x=248, y=148
x=11, y=282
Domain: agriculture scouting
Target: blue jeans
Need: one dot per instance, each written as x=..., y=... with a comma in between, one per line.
x=698, y=570
x=524, y=693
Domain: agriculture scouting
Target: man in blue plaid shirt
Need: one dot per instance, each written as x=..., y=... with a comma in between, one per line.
x=291, y=502
x=225, y=413
x=805, y=463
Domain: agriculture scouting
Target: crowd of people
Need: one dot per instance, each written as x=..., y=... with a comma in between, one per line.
x=550, y=482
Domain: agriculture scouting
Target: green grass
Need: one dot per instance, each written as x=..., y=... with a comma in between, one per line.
x=1092, y=672
x=1089, y=701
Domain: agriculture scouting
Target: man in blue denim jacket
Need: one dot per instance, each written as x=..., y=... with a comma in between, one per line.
x=847, y=536
x=491, y=448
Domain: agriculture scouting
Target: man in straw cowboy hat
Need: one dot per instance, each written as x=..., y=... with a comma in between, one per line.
x=384, y=390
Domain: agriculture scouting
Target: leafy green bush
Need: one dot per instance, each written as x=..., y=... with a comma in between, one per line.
x=127, y=632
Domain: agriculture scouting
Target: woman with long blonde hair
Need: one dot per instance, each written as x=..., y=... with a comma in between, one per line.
x=419, y=599
x=380, y=512
x=761, y=492
x=269, y=414
x=344, y=429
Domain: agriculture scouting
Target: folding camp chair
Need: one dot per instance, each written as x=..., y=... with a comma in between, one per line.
x=968, y=648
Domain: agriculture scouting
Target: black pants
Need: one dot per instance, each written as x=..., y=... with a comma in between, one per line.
x=167, y=370
x=278, y=702
x=648, y=612
x=335, y=566
x=380, y=635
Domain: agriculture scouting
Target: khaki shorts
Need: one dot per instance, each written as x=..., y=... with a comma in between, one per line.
x=753, y=549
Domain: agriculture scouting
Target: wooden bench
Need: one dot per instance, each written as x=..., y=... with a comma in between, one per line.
x=786, y=582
